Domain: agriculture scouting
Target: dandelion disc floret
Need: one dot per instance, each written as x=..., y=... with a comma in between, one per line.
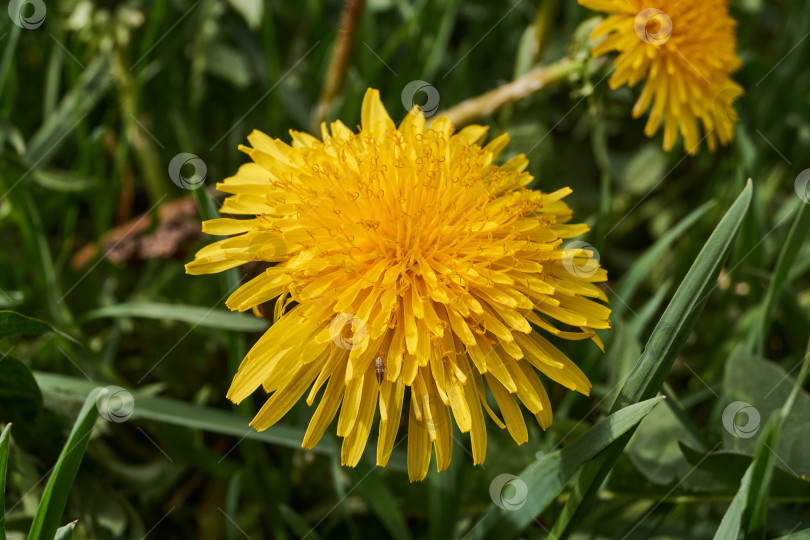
x=685, y=49
x=404, y=258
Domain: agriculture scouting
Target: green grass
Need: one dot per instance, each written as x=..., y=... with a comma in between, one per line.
x=709, y=280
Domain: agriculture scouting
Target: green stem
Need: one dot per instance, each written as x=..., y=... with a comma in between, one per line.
x=541, y=77
x=790, y=250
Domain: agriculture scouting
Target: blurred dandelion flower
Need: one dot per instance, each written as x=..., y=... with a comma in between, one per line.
x=405, y=257
x=685, y=49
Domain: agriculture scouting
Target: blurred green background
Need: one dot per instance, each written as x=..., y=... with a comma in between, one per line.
x=98, y=98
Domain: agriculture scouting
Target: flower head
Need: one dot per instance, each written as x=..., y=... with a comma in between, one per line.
x=685, y=49
x=404, y=258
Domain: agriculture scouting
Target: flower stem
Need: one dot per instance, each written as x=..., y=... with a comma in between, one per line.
x=533, y=81
x=339, y=63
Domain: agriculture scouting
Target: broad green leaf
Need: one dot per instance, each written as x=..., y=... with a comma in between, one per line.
x=13, y=323
x=18, y=389
x=766, y=456
x=180, y=413
x=751, y=500
x=5, y=438
x=665, y=343
x=654, y=448
x=547, y=477
x=194, y=315
x=728, y=467
x=753, y=386
x=52, y=505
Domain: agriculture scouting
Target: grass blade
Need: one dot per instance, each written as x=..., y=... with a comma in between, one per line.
x=232, y=504
x=730, y=525
x=666, y=341
x=8, y=54
x=632, y=280
x=380, y=499
x=49, y=513
x=78, y=102
x=546, y=478
x=66, y=532
x=761, y=469
x=180, y=413
x=751, y=498
x=681, y=314
x=5, y=438
x=194, y=315
x=297, y=524
x=443, y=502
x=799, y=535
x=790, y=250
x=754, y=496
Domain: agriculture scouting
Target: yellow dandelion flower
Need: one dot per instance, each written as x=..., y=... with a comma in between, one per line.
x=685, y=49
x=404, y=257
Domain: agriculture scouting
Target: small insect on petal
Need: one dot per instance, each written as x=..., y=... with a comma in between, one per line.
x=380, y=367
